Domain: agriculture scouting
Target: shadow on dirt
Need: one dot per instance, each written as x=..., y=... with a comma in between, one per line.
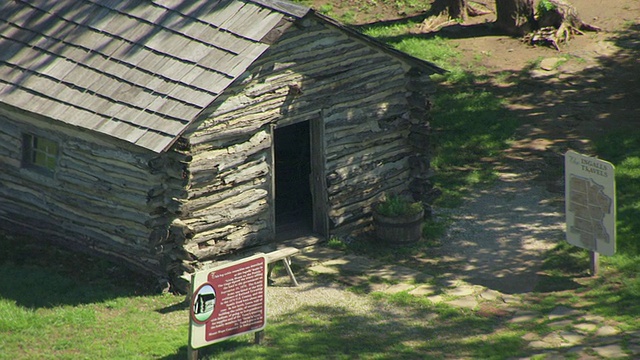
x=567, y=104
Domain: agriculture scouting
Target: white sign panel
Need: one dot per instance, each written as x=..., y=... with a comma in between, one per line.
x=590, y=203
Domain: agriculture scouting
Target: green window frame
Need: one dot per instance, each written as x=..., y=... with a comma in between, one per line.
x=39, y=153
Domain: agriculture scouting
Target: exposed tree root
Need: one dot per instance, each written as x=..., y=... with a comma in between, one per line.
x=435, y=23
x=475, y=8
x=557, y=25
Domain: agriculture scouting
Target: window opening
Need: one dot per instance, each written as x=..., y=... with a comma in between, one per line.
x=40, y=152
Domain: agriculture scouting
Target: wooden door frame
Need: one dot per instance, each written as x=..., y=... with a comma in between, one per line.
x=317, y=177
x=272, y=181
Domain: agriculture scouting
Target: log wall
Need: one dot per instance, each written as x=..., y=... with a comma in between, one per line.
x=104, y=198
x=373, y=125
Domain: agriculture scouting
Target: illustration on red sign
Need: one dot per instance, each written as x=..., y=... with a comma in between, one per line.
x=203, y=305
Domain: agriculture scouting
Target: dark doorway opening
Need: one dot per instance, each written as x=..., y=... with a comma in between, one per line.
x=292, y=152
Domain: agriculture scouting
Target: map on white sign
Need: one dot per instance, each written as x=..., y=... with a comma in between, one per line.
x=590, y=203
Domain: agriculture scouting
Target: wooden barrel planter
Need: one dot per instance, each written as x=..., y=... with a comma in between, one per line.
x=398, y=230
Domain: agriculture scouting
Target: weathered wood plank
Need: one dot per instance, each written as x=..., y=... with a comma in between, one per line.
x=212, y=194
x=229, y=209
x=252, y=225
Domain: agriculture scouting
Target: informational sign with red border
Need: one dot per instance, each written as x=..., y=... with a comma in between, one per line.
x=228, y=301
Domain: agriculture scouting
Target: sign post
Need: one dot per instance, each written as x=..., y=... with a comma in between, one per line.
x=227, y=301
x=590, y=205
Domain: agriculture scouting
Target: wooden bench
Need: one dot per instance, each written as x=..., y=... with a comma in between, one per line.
x=283, y=255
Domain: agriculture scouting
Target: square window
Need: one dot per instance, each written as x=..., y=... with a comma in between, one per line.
x=39, y=153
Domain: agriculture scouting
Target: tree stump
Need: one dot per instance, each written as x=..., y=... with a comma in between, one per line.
x=557, y=21
x=515, y=17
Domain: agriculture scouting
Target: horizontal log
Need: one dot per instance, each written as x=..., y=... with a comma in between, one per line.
x=136, y=259
x=69, y=196
x=365, y=175
x=228, y=206
x=235, y=155
x=354, y=226
x=110, y=156
x=225, y=247
x=205, y=197
x=254, y=224
x=215, y=220
x=373, y=154
x=352, y=193
x=158, y=195
x=122, y=178
x=81, y=184
x=9, y=141
x=179, y=156
x=107, y=233
x=343, y=144
x=170, y=168
x=10, y=161
x=252, y=170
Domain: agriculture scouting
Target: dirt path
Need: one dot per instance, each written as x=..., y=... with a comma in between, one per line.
x=499, y=236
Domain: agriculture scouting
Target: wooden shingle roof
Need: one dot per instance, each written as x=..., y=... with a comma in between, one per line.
x=137, y=70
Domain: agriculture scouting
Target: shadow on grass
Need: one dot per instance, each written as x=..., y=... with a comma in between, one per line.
x=417, y=331
x=333, y=332
x=39, y=275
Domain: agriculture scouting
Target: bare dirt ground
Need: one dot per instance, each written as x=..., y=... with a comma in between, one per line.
x=595, y=89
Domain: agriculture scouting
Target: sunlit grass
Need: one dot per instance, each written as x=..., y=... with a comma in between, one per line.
x=388, y=30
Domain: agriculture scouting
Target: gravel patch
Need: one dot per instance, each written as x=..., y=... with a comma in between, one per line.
x=284, y=299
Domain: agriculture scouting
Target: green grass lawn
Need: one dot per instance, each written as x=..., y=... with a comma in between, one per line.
x=60, y=305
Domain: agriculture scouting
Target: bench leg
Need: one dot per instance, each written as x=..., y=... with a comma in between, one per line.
x=269, y=270
x=287, y=265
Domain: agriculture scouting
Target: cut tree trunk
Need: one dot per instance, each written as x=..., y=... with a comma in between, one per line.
x=515, y=17
x=458, y=9
x=450, y=12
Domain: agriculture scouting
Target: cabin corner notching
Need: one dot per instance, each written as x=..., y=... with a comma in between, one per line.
x=168, y=145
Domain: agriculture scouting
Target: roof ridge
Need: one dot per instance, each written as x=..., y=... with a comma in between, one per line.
x=286, y=7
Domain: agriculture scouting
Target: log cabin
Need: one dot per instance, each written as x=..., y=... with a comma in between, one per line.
x=168, y=134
